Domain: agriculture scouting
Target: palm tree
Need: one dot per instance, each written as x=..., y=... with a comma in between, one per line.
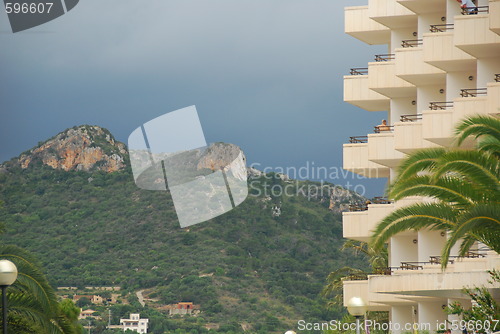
x=378, y=259
x=483, y=128
x=33, y=307
x=464, y=186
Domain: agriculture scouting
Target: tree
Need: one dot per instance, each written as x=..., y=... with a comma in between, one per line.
x=483, y=128
x=465, y=186
x=32, y=302
x=83, y=301
x=485, y=309
x=71, y=312
x=378, y=259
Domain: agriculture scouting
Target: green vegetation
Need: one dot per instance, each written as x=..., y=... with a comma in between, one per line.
x=248, y=266
x=464, y=183
x=379, y=261
x=485, y=310
x=33, y=307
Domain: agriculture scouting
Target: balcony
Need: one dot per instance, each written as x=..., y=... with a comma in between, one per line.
x=375, y=301
x=411, y=67
x=439, y=122
x=495, y=16
x=441, y=52
x=391, y=14
x=472, y=102
x=438, y=126
x=473, y=35
x=355, y=159
x=359, y=225
x=360, y=288
x=432, y=282
x=359, y=25
x=381, y=149
x=408, y=134
x=424, y=6
x=356, y=92
x=382, y=78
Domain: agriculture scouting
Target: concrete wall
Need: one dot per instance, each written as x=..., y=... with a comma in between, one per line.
x=403, y=250
x=401, y=316
x=432, y=314
x=486, y=68
x=430, y=243
x=427, y=94
x=455, y=81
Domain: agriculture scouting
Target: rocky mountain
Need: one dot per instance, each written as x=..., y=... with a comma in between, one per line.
x=84, y=148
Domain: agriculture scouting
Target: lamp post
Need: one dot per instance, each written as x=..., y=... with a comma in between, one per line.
x=356, y=307
x=8, y=275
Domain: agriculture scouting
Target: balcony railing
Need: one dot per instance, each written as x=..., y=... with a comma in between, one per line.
x=358, y=139
x=384, y=57
x=410, y=118
x=358, y=207
x=355, y=207
x=359, y=71
x=475, y=10
x=364, y=276
x=437, y=259
x=475, y=92
x=380, y=200
x=497, y=77
x=356, y=277
x=470, y=255
x=442, y=27
x=474, y=255
x=411, y=43
x=440, y=105
x=383, y=128
x=413, y=265
x=416, y=265
x=385, y=270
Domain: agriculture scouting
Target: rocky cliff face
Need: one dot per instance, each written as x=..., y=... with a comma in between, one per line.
x=85, y=148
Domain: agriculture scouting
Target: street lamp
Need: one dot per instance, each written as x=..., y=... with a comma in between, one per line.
x=357, y=308
x=8, y=275
x=290, y=332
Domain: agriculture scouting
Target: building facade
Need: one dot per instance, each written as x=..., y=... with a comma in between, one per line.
x=441, y=66
x=135, y=323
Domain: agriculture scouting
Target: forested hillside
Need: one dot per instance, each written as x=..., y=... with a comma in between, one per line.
x=263, y=263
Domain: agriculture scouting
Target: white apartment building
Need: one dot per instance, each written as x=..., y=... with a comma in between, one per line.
x=135, y=323
x=440, y=67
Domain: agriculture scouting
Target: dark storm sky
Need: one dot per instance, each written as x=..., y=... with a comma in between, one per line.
x=264, y=75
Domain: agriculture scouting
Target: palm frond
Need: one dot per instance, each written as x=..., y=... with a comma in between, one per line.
x=490, y=145
x=414, y=217
x=478, y=126
x=475, y=166
x=31, y=297
x=420, y=161
x=478, y=222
